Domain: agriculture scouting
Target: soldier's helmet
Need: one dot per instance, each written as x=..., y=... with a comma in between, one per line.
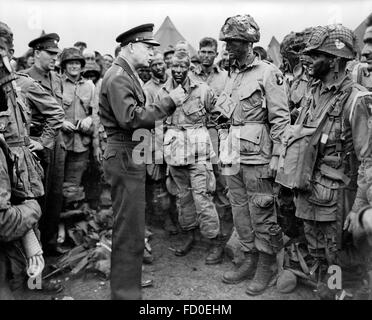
x=336, y=40
x=240, y=27
x=70, y=54
x=295, y=42
x=6, y=33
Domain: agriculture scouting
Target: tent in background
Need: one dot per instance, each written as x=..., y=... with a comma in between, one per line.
x=167, y=34
x=273, y=51
x=359, y=32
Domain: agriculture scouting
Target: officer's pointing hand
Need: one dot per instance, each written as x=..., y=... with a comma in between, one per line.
x=178, y=95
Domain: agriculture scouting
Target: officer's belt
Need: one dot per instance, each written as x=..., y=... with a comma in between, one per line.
x=19, y=143
x=185, y=126
x=119, y=136
x=243, y=123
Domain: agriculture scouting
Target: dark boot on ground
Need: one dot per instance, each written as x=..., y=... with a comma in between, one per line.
x=263, y=274
x=187, y=245
x=215, y=252
x=245, y=271
x=169, y=226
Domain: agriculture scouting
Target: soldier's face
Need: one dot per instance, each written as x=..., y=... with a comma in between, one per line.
x=108, y=61
x=158, y=66
x=320, y=66
x=367, y=52
x=207, y=55
x=238, y=50
x=142, y=54
x=179, y=69
x=168, y=59
x=73, y=68
x=144, y=73
x=46, y=59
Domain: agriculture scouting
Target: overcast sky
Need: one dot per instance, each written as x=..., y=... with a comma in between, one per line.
x=99, y=22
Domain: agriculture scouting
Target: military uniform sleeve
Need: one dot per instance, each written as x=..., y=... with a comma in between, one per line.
x=15, y=220
x=51, y=111
x=277, y=105
x=361, y=127
x=128, y=113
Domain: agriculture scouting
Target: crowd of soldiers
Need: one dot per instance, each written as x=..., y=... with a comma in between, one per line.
x=284, y=153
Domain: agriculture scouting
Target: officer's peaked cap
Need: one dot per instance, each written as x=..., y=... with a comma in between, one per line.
x=47, y=42
x=142, y=33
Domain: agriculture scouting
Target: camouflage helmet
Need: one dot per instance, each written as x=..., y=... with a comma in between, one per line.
x=295, y=42
x=240, y=27
x=336, y=40
x=70, y=54
x=6, y=33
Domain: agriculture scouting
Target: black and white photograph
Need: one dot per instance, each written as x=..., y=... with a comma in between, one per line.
x=204, y=151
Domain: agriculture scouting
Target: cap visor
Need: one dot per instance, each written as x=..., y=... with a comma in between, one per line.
x=152, y=42
x=53, y=50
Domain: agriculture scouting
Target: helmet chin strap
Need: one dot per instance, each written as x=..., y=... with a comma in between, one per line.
x=336, y=68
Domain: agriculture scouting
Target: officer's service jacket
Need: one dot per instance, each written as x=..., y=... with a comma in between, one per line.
x=45, y=119
x=122, y=102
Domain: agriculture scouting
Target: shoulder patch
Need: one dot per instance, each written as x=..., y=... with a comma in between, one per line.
x=279, y=79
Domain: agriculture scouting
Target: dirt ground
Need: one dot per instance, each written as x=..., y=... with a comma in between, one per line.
x=174, y=278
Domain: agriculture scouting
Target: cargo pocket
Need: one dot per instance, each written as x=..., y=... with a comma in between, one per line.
x=250, y=139
x=263, y=201
x=324, y=191
x=109, y=154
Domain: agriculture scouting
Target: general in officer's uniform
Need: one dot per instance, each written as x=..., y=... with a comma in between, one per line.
x=122, y=111
x=45, y=52
x=261, y=113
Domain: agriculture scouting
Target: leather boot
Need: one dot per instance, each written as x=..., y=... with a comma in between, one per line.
x=245, y=271
x=188, y=244
x=215, y=252
x=263, y=274
x=169, y=225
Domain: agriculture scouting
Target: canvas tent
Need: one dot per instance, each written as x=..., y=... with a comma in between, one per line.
x=273, y=51
x=359, y=32
x=167, y=34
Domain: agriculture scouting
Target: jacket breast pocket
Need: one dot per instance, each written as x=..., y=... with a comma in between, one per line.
x=194, y=111
x=251, y=97
x=250, y=139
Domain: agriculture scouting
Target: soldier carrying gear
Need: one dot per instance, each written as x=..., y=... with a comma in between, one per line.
x=332, y=129
x=256, y=97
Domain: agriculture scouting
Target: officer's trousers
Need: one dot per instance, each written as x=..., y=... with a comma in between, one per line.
x=127, y=181
x=252, y=201
x=195, y=182
x=53, y=162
